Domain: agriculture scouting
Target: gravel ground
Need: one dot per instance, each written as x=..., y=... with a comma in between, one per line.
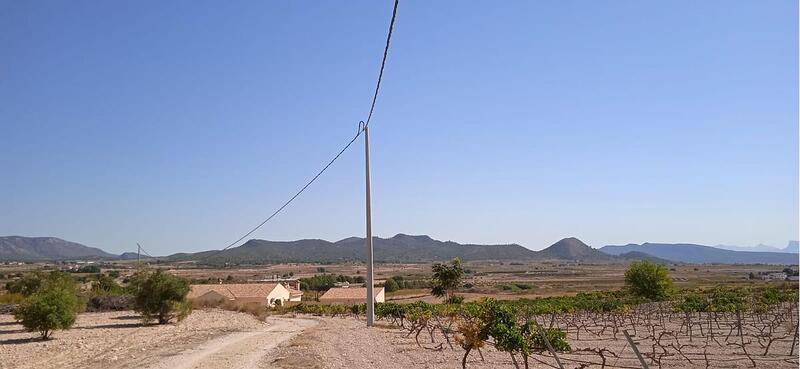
x=223, y=339
x=117, y=340
x=347, y=343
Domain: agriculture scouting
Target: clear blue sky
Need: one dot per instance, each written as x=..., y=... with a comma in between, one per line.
x=183, y=124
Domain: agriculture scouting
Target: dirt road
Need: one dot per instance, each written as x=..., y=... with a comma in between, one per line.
x=243, y=350
x=206, y=339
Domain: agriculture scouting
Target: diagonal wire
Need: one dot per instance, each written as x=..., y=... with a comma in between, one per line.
x=361, y=128
x=290, y=199
x=383, y=63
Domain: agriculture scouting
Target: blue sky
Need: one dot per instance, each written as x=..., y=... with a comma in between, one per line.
x=183, y=124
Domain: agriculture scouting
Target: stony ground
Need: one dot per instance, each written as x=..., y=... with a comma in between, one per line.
x=206, y=339
x=347, y=343
x=223, y=339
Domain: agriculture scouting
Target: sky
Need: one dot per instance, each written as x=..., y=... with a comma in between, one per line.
x=181, y=125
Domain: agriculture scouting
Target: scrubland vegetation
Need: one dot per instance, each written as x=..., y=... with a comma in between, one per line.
x=46, y=302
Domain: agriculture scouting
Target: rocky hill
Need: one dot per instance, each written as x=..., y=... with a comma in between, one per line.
x=18, y=248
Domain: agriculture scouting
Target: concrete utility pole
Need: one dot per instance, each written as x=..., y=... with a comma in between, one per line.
x=370, y=281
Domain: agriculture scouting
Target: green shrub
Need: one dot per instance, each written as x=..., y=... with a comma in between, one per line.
x=446, y=278
x=161, y=296
x=53, y=306
x=455, y=300
x=649, y=280
x=390, y=285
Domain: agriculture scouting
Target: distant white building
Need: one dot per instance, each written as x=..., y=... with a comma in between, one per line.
x=269, y=294
x=774, y=276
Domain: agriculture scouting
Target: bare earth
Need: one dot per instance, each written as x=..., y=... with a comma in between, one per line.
x=347, y=343
x=223, y=339
x=206, y=339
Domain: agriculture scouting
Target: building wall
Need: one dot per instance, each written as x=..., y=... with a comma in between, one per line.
x=278, y=295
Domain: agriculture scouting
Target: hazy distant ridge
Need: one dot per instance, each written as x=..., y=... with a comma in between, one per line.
x=699, y=254
x=18, y=248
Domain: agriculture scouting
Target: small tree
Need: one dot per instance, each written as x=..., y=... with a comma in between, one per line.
x=446, y=278
x=161, y=296
x=53, y=306
x=649, y=280
x=390, y=285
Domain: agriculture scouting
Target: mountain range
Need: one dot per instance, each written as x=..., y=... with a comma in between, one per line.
x=791, y=247
x=20, y=248
x=401, y=248
x=699, y=254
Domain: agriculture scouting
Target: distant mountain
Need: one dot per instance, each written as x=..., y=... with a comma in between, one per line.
x=132, y=256
x=638, y=256
x=759, y=247
x=400, y=248
x=793, y=246
x=18, y=248
x=573, y=249
x=699, y=254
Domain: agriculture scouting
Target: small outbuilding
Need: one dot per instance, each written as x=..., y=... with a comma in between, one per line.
x=350, y=295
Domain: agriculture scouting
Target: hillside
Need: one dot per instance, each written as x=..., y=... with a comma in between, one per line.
x=400, y=248
x=18, y=248
x=573, y=249
x=699, y=254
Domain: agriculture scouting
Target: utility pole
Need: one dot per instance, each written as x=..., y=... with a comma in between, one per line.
x=370, y=281
x=138, y=254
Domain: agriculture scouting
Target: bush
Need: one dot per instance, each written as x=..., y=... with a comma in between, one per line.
x=391, y=285
x=53, y=306
x=455, y=300
x=88, y=269
x=649, y=280
x=109, y=303
x=161, y=296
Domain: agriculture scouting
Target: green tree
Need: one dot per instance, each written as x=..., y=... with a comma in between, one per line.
x=446, y=278
x=390, y=285
x=53, y=306
x=161, y=296
x=649, y=280
x=105, y=285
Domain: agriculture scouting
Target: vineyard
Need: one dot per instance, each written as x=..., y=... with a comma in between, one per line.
x=715, y=328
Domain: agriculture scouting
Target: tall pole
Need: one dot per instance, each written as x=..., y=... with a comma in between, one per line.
x=370, y=281
x=138, y=252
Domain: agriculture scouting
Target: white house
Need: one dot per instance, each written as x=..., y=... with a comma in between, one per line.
x=269, y=294
x=774, y=276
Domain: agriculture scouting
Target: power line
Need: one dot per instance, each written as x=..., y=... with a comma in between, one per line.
x=361, y=128
x=144, y=251
x=383, y=62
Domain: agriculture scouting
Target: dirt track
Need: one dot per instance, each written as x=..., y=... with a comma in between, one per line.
x=207, y=339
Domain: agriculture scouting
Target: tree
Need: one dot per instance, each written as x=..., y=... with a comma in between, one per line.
x=446, y=278
x=105, y=285
x=53, y=306
x=30, y=283
x=390, y=285
x=649, y=280
x=161, y=296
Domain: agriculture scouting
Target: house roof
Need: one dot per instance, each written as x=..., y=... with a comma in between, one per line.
x=348, y=293
x=233, y=291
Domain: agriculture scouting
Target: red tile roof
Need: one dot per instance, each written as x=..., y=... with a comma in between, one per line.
x=233, y=291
